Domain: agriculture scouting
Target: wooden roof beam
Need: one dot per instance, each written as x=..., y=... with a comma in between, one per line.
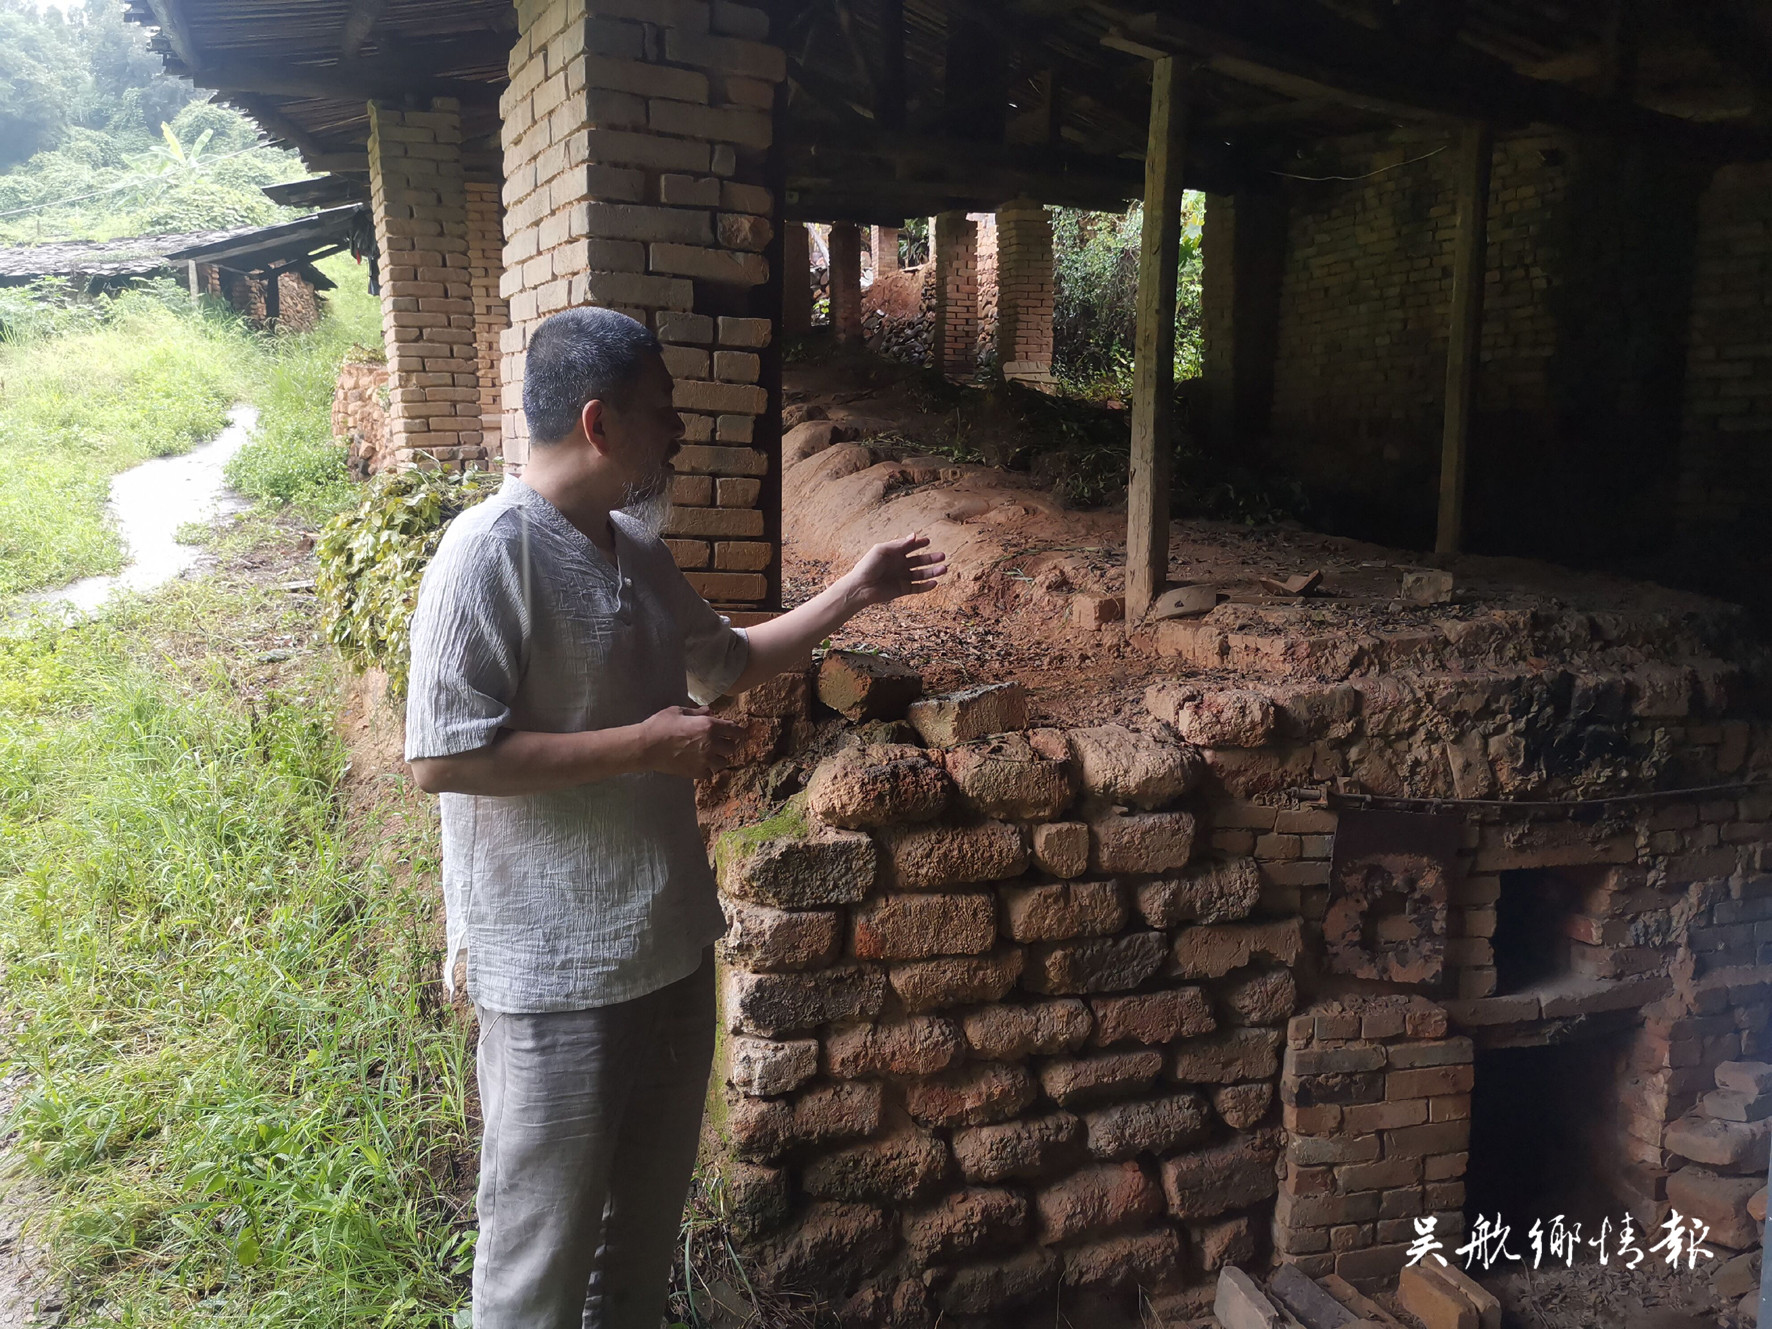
x=1368, y=69
x=367, y=80
x=360, y=21
x=172, y=23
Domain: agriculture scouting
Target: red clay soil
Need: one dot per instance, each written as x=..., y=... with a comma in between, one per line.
x=1019, y=557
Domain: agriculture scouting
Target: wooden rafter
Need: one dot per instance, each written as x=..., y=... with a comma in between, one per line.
x=178, y=33
x=364, y=81
x=360, y=21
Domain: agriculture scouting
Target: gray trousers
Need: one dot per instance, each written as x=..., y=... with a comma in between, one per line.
x=592, y=1120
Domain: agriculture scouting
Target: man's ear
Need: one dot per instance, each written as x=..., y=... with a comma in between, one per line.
x=593, y=420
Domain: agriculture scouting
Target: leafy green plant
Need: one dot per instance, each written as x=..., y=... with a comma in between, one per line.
x=371, y=560
x=1095, y=299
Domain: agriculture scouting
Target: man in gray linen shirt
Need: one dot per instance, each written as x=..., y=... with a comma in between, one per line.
x=556, y=651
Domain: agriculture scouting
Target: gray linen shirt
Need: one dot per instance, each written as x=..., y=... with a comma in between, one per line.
x=600, y=893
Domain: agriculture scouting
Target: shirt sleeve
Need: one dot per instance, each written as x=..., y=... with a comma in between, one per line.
x=468, y=632
x=714, y=652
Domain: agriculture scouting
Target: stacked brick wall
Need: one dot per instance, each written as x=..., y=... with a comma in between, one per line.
x=955, y=338
x=419, y=202
x=1024, y=282
x=986, y=350
x=634, y=138
x=1726, y=464
x=1365, y=299
x=1377, y=1112
x=1000, y=1018
x=1008, y=1007
x=298, y=303
x=360, y=416
x=491, y=314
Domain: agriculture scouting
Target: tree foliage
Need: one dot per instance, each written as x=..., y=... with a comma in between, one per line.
x=97, y=142
x=1095, y=263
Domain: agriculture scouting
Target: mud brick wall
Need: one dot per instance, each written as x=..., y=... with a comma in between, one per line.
x=1024, y=282
x=1725, y=477
x=419, y=202
x=360, y=416
x=1002, y=1019
x=955, y=339
x=1007, y=1009
x=298, y=306
x=635, y=136
x=1365, y=298
x=989, y=242
x=1377, y=1114
x=492, y=315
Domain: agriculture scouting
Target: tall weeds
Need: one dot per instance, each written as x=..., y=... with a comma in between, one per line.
x=244, y=1101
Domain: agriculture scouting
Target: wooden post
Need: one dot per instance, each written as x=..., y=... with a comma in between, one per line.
x=1465, y=339
x=845, y=273
x=1153, y=377
x=191, y=271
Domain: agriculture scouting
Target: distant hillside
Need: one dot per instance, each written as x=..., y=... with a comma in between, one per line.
x=97, y=142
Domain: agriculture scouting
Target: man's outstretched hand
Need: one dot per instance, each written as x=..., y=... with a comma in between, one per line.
x=905, y=566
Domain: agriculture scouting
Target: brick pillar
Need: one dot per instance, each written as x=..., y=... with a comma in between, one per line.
x=885, y=242
x=1243, y=250
x=1359, y=1173
x=796, y=278
x=421, y=227
x=1024, y=292
x=954, y=345
x=846, y=280
x=491, y=314
x=635, y=136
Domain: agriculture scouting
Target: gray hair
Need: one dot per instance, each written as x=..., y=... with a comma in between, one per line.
x=576, y=356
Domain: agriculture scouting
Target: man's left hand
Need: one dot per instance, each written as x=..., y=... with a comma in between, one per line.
x=905, y=566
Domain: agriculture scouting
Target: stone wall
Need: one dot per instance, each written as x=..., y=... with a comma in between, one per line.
x=360, y=416
x=1015, y=1011
x=635, y=136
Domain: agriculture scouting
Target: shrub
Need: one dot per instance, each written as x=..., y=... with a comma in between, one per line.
x=371, y=560
x=1094, y=317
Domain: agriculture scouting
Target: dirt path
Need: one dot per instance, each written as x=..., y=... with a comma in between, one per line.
x=28, y=1296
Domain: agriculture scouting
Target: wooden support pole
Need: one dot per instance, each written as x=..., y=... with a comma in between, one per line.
x=1153, y=376
x=1465, y=339
x=845, y=273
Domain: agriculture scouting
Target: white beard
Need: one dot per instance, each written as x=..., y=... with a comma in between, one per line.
x=649, y=503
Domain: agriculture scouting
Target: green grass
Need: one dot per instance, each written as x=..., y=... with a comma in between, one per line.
x=245, y=1102
x=92, y=391
x=292, y=458
x=77, y=408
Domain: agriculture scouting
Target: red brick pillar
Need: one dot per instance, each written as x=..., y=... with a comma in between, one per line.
x=1024, y=292
x=796, y=278
x=846, y=280
x=885, y=243
x=635, y=135
x=954, y=345
x=419, y=201
x=491, y=314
